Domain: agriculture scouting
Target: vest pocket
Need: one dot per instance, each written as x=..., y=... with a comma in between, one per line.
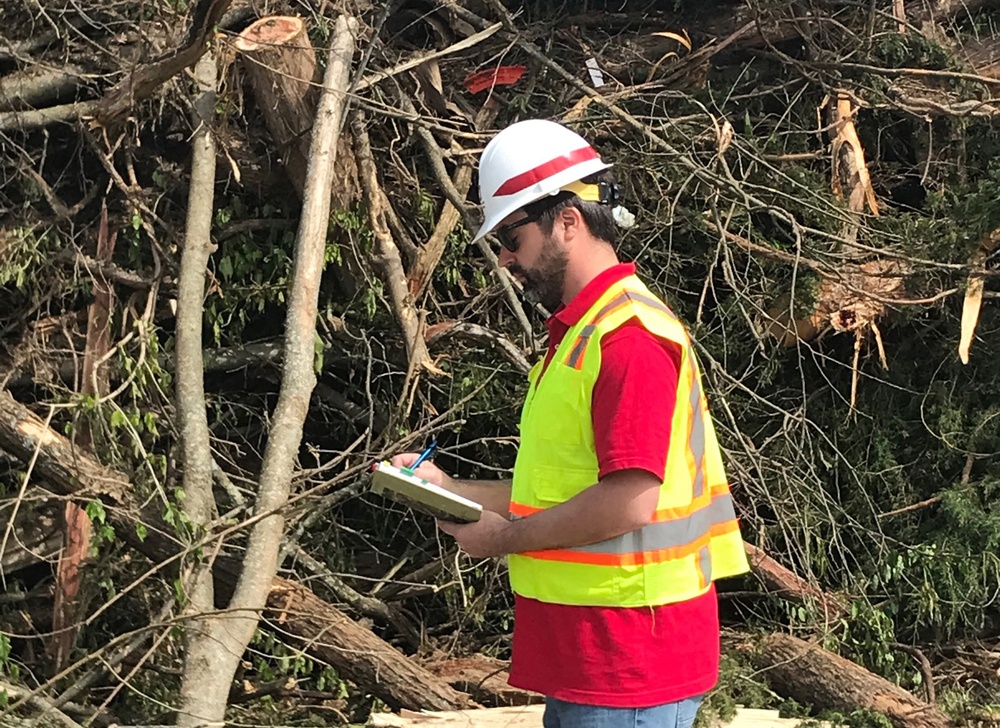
x=552, y=485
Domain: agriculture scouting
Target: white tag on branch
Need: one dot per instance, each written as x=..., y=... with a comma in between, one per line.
x=596, y=76
x=623, y=217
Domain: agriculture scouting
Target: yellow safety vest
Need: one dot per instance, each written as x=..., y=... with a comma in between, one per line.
x=694, y=537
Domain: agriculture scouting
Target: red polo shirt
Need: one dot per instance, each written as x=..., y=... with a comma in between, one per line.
x=616, y=656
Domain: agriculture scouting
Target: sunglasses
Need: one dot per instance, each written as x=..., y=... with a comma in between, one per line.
x=505, y=236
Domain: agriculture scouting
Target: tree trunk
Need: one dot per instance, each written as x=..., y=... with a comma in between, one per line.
x=789, y=585
x=333, y=636
x=817, y=677
x=326, y=632
x=280, y=63
x=214, y=655
x=203, y=692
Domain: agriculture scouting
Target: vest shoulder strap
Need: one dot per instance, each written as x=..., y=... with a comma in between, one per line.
x=627, y=299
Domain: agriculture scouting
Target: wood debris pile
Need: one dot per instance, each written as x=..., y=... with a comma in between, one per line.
x=774, y=202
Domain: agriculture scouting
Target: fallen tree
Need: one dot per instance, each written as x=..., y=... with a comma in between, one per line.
x=322, y=629
x=818, y=677
x=797, y=178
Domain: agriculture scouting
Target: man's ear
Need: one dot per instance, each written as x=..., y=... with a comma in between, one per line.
x=571, y=220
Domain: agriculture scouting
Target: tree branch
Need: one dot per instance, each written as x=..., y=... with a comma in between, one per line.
x=480, y=334
x=458, y=199
x=388, y=254
x=145, y=79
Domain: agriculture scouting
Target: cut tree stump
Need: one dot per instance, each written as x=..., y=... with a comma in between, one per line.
x=817, y=677
x=280, y=64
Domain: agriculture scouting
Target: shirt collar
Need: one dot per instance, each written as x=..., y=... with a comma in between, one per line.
x=570, y=314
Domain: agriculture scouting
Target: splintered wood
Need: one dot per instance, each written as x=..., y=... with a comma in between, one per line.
x=850, y=172
x=974, y=293
x=854, y=296
x=530, y=716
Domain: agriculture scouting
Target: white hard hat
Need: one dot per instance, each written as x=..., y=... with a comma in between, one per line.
x=527, y=161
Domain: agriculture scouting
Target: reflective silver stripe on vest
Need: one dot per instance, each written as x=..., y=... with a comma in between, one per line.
x=667, y=534
x=705, y=563
x=634, y=296
x=651, y=302
x=696, y=440
x=581, y=344
x=588, y=330
x=610, y=305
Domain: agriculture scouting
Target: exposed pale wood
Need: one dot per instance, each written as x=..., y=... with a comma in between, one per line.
x=974, y=293
x=850, y=171
x=818, y=677
x=77, y=527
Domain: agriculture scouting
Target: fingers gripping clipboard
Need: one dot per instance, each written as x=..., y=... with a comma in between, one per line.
x=403, y=486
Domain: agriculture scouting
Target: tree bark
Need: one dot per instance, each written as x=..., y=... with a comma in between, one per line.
x=333, y=636
x=280, y=63
x=203, y=693
x=387, y=255
x=817, y=677
x=325, y=631
x=789, y=585
x=484, y=678
x=214, y=656
x=32, y=87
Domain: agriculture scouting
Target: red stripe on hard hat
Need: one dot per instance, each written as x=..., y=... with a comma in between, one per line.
x=544, y=171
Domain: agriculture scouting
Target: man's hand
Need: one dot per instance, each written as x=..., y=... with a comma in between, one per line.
x=485, y=537
x=426, y=470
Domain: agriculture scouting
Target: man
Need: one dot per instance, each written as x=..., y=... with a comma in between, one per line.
x=619, y=517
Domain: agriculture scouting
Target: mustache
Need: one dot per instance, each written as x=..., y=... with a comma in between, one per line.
x=515, y=269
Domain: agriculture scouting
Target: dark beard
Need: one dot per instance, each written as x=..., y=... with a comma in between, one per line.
x=544, y=282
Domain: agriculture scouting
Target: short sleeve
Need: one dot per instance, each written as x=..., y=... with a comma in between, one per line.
x=633, y=400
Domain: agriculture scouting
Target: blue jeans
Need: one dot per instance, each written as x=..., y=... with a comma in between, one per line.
x=560, y=714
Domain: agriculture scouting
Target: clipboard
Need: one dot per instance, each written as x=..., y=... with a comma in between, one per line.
x=401, y=485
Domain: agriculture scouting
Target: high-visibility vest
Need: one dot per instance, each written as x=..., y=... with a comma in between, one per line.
x=694, y=537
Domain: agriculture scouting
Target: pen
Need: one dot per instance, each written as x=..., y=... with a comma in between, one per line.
x=424, y=455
